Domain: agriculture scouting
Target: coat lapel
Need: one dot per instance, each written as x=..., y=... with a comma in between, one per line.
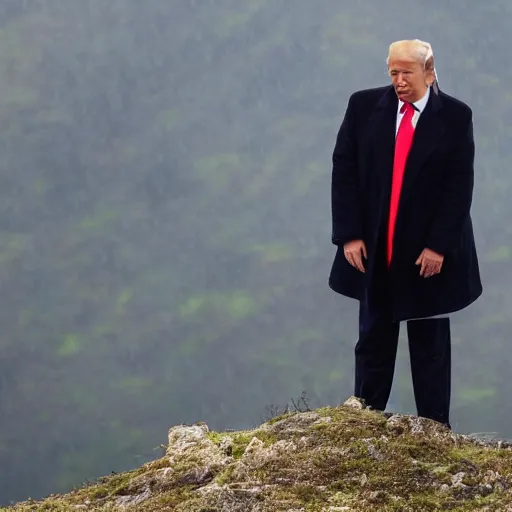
x=427, y=134
x=383, y=123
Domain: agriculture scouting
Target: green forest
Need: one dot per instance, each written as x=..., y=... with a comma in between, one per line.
x=165, y=230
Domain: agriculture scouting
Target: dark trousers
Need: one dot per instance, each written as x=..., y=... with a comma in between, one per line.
x=430, y=356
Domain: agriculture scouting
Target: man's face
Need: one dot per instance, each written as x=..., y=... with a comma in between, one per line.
x=408, y=78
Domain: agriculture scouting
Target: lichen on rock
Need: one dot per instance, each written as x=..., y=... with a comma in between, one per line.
x=333, y=459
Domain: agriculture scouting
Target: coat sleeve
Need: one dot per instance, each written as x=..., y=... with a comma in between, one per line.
x=345, y=207
x=456, y=198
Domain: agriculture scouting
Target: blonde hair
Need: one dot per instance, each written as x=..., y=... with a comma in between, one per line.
x=408, y=49
x=414, y=49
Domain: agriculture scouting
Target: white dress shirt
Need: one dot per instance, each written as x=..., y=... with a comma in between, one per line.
x=420, y=105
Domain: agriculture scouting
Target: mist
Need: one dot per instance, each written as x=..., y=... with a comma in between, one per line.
x=165, y=229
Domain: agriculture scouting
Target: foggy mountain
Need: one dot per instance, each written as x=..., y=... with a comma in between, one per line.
x=165, y=218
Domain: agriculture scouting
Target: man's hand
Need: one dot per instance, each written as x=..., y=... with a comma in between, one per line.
x=354, y=252
x=431, y=262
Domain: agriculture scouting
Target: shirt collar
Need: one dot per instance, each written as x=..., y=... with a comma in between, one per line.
x=420, y=104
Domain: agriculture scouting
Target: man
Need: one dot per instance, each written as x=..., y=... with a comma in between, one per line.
x=402, y=186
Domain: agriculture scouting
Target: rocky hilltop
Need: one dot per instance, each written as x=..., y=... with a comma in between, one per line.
x=333, y=459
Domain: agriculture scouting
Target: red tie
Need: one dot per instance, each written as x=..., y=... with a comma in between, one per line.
x=402, y=146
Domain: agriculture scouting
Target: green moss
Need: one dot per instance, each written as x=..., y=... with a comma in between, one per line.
x=280, y=417
x=187, y=464
x=161, y=463
x=308, y=493
x=169, y=500
x=353, y=460
x=98, y=493
x=324, y=411
x=240, y=442
x=214, y=437
x=268, y=438
x=225, y=476
x=242, y=439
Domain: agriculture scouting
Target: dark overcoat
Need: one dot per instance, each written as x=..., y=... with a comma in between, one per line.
x=434, y=207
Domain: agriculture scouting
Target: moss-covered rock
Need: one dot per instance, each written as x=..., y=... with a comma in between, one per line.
x=334, y=459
